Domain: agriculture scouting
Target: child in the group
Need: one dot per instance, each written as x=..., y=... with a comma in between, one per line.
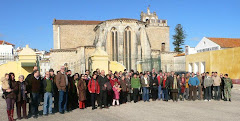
x=116, y=90
x=5, y=83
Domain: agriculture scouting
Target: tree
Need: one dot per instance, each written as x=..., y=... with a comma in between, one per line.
x=179, y=38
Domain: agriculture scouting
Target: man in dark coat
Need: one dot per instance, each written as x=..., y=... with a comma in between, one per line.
x=170, y=79
x=71, y=91
x=55, y=93
x=102, y=80
x=154, y=86
x=27, y=81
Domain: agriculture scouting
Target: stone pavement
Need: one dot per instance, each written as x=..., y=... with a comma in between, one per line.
x=152, y=111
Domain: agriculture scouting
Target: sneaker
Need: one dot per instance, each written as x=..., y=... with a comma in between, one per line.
x=230, y=100
x=209, y=100
x=205, y=100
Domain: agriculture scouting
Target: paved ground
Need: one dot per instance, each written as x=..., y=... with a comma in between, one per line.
x=153, y=111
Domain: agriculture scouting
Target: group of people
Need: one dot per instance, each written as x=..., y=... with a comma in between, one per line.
x=68, y=92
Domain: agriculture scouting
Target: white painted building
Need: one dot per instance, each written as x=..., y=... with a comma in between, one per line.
x=6, y=52
x=44, y=63
x=211, y=44
x=206, y=44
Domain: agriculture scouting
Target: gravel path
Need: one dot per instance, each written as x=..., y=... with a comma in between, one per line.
x=152, y=111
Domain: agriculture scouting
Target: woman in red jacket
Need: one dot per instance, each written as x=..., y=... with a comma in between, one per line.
x=113, y=80
x=94, y=89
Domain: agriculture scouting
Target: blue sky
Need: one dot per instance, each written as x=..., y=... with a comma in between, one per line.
x=30, y=21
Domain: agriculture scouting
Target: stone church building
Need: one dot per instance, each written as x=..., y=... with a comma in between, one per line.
x=135, y=44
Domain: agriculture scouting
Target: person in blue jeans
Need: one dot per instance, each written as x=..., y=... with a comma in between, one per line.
x=62, y=84
x=48, y=93
x=145, y=81
x=160, y=91
x=193, y=84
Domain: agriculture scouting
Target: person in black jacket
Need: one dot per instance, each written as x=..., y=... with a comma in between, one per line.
x=102, y=80
x=165, y=87
x=170, y=80
x=35, y=89
x=72, y=91
x=154, y=86
x=27, y=81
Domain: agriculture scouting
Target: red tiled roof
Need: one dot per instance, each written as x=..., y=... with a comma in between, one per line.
x=181, y=54
x=75, y=22
x=1, y=42
x=226, y=42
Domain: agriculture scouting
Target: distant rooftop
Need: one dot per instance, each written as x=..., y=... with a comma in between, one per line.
x=226, y=42
x=2, y=42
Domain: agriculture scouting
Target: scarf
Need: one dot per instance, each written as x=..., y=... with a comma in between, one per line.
x=175, y=83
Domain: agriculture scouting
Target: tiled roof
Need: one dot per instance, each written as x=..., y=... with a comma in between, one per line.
x=75, y=22
x=226, y=42
x=181, y=54
x=1, y=42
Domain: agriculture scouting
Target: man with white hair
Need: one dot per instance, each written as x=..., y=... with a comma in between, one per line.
x=62, y=84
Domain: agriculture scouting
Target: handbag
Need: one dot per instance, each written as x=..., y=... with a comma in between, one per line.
x=3, y=96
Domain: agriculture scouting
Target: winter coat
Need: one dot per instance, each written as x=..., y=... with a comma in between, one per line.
x=135, y=82
x=193, y=81
x=101, y=81
x=112, y=81
x=93, y=86
x=21, y=95
x=143, y=82
x=123, y=85
x=208, y=81
x=14, y=92
x=116, y=90
x=5, y=83
x=61, y=80
x=82, y=90
x=154, y=83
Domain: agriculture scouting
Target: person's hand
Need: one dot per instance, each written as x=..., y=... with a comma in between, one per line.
x=132, y=88
x=90, y=91
x=25, y=91
x=204, y=86
x=8, y=90
x=105, y=85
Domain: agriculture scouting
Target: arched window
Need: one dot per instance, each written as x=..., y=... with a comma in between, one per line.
x=127, y=48
x=114, y=44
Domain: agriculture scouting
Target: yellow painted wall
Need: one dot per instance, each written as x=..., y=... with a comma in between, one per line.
x=222, y=61
x=115, y=66
x=100, y=60
x=15, y=67
x=27, y=55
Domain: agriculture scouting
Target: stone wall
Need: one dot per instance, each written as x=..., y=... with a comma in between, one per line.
x=59, y=57
x=157, y=36
x=179, y=63
x=167, y=61
x=72, y=36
